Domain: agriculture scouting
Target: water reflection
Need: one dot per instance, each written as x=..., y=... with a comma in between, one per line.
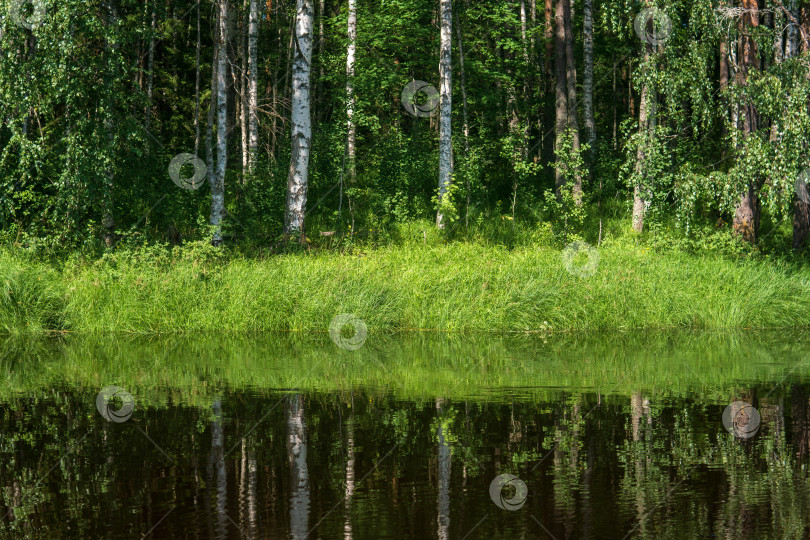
x=368, y=461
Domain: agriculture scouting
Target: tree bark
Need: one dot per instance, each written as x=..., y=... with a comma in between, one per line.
x=351, y=133
x=108, y=219
x=298, y=178
x=571, y=78
x=587, y=88
x=549, y=36
x=644, y=124
x=560, y=91
x=243, y=87
x=218, y=182
x=150, y=72
x=746, y=213
x=197, y=88
x=446, y=79
x=253, y=84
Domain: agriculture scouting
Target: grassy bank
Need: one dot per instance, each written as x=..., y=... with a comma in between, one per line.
x=444, y=287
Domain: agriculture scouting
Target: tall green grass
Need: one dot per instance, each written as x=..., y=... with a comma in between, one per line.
x=455, y=287
x=31, y=297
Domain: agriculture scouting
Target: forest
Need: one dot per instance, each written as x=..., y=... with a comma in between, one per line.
x=125, y=123
x=404, y=269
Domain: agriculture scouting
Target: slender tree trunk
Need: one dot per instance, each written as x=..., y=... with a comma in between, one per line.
x=218, y=182
x=746, y=214
x=801, y=209
x=197, y=88
x=615, y=105
x=549, y=36
x=319, y=84
x=351, y=133
x=297, y=180
x=571, y=76
x=108, y=220
x=587, y=88
x=724, y=79
x=560, y=87
x=446, y=91
x=212, y=107
x=150, y=72
x=639, y=189
x=253, y=92
x=465, y=119
x=243, y=88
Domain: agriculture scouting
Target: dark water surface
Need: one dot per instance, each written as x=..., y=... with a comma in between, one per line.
x=612, y=435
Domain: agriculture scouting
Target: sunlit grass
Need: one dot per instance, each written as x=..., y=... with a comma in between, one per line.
x=452, y=287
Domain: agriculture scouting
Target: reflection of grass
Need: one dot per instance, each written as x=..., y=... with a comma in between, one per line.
x=447, y=287
x=411, y=366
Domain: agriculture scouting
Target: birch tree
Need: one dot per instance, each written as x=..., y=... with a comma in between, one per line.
x=253, y=86
x=297, y=179
x=445, y=105
x=639, y=189
x=351, y=133
x=218, y=181
x=560, y=93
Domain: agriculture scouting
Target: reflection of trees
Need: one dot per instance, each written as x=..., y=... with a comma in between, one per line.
x=216, y=465
x=299, y=472
x=666, y=464
x=444, y=456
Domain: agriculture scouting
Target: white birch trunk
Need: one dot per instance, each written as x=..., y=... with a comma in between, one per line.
x=218, y=182
x=253, y=91
x=243, y=90
x=300, y=118
x=350, y=100
x=446, y=106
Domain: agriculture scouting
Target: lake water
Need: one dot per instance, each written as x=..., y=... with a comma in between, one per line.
x=599, y=435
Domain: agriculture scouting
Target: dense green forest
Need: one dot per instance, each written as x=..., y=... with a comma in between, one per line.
x=127, y=122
